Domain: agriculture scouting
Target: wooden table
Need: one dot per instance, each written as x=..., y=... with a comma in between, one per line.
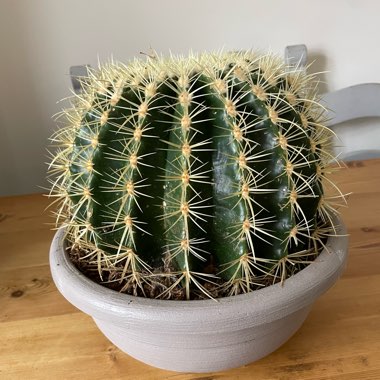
x=43, y=337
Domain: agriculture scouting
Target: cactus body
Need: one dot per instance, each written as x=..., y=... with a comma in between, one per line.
x=216, y=158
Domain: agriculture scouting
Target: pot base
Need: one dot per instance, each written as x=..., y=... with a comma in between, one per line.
x=199, y=357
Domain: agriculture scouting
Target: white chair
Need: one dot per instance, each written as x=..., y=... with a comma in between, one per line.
x=350, y=103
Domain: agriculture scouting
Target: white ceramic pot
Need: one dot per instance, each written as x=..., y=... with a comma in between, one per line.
x=205, y=335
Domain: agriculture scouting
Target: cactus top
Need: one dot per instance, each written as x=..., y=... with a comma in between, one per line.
x=210, y=159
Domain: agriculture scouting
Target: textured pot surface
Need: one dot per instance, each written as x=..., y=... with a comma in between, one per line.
x=206, y=335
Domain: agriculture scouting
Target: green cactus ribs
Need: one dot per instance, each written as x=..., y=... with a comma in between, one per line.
x=195, y=176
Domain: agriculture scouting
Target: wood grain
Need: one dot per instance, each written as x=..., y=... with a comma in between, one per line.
x=43, y=337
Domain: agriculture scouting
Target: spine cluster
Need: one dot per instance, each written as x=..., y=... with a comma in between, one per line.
x=213, y=161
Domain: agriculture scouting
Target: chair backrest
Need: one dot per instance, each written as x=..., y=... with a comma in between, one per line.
x=350, y=103
x=362, y=100
x=76, y=74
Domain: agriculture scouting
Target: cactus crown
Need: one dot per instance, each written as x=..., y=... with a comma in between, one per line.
x=185, y=172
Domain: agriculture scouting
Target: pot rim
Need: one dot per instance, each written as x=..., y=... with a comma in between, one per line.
x=267, y=304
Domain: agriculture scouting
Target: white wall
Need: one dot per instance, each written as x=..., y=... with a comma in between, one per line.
x=41, y=39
